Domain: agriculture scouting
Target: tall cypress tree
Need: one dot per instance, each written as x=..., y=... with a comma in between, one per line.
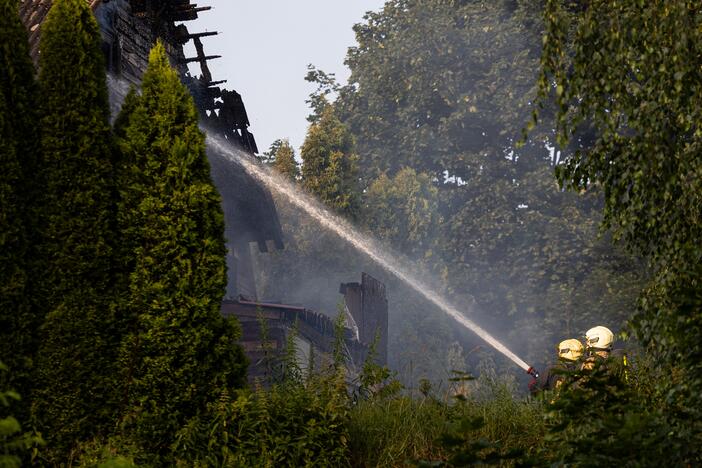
x=74, y=399
x=181, y=352
x=284, y=160
x=12, y=237
x=330, y=167
x=19, y=151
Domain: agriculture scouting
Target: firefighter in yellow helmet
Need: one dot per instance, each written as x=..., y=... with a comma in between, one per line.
x=598, y=341
x=569, y=353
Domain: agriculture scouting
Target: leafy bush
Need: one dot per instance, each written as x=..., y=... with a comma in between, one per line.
x=298, y=421
x=615, y=415
x=290, y=424
x=14, y=445
x=114, y=452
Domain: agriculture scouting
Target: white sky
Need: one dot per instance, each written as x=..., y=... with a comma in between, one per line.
x=266, y=46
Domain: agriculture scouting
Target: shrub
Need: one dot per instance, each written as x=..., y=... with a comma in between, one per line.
x=616, y=416
x=289, y=424
x=14, y=445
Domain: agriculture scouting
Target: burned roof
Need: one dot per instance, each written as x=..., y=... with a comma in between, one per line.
x=33, y=13
x=249, y=209
x=129, y=29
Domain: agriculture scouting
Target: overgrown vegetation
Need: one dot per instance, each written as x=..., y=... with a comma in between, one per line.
x=74, y=395
x=129, y=266
x=630, y=72
x=438, y=94
x=14, y=443
x=179, y=354
x=19, y=315
x=403, y=430
x=112, y=251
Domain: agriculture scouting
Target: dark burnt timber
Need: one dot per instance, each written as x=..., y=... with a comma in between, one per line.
x=368, y=305
x=129, y=30
x=131, y=27
x=220, y=110
x=200, y=59
x=314, y=332
x=173, y=10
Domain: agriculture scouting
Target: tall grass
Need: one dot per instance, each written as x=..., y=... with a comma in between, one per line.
x=396, y=432
x=401, y=431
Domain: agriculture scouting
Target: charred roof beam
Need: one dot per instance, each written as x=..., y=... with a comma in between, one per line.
x=200, y=59
x=186, y=14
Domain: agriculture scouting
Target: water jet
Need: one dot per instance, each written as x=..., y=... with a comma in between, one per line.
x=350, y=234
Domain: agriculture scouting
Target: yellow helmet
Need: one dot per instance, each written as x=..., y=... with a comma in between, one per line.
x=570, y=350
x=599, y=338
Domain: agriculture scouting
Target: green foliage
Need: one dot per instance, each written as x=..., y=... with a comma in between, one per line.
x=115, y=452
x=329, y=169
x=436, y=83
x=630, y=77
x=288, y=425
x=12, y=237
x=401, y=430
x=375, y=381
x=404, y=211
x=14, y=445
x=180, y=353
x=77, y=160
x=327, y=87
x=297, y=421
x=19, y=152
x=18, y=87
x=75, y=397
x=397, y=431
x=630, y=71
x=465, y=449
x=301, y=419
x=282, y=158
x=437, y=96
x=614, y=415
x=490, y=425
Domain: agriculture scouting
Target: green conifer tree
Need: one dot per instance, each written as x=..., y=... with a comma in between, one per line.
x=12, y=238
x=181, y=353
x=284, y=160
x=19, y=150
x=330, y=168
x=75, y=398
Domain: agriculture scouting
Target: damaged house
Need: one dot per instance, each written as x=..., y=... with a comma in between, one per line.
x=129, y=30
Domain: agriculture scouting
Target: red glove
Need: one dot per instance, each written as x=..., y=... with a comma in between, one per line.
x=532, y=385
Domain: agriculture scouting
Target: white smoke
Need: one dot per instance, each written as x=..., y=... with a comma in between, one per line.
x=361, y=242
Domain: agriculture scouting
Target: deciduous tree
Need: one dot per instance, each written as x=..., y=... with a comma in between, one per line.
x=631, y=70
x=444, y=88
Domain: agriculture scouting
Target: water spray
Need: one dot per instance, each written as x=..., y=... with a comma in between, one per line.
x=346, y=231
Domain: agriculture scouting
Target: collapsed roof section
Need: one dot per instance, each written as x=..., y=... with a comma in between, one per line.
x=129, y=30
x=314, y=334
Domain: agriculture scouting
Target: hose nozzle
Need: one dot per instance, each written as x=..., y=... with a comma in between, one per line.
x=533, y=372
